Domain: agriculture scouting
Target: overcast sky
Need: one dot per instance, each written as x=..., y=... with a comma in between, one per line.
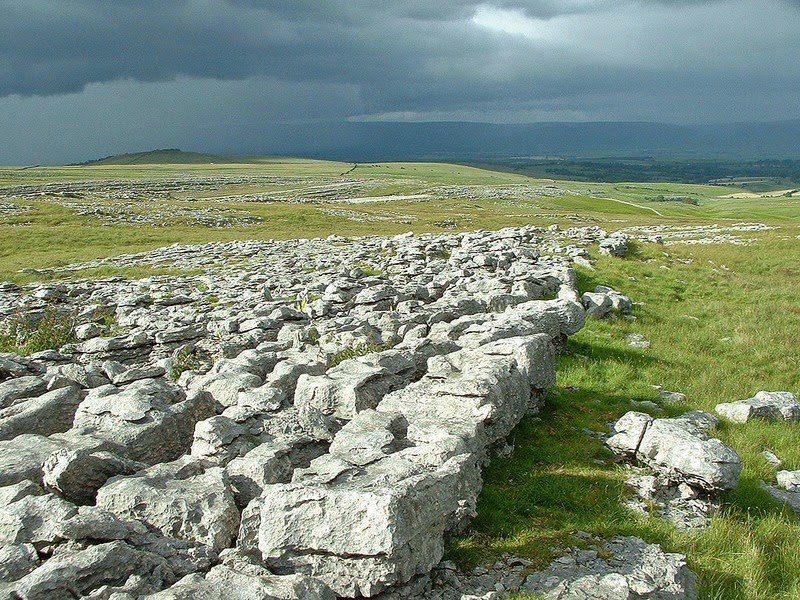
x=84, y=78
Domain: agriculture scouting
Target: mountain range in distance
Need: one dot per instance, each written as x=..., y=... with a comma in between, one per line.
x=471, y=141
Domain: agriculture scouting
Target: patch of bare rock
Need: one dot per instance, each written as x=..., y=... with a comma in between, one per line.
x=623, y=568
x=766, y=406
x=308, y=419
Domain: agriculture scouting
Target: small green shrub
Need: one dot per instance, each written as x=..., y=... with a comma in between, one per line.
x=302, y=301
x=370, y=271
x=24, y=335
x=443, y=253
x=186, y=360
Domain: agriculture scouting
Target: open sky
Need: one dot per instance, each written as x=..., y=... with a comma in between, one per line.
x=85, y=78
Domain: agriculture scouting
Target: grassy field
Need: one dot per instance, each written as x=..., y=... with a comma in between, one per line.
x=49, y=233
x=723, y=322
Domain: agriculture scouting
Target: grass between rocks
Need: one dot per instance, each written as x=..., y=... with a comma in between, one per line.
x=22, y=336
x=721, y=328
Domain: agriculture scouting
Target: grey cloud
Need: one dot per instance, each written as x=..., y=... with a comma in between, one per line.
x=392, y=49
x=278, y=60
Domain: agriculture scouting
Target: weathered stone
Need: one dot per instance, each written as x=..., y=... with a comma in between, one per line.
x=357, y=540
x=789, y=480
x=637, y=341
x=13, y=390
x=614, y=245
x=668, y=397
x=597, y=305
x=402, y=432
x=150, y=420
x=220, y=439
x=107, y=345
x=87, y=331
x=185, y=499
x=225, y=389
x=17, y=491
x=79, y=572
x=21, y=458
x=261, y=400
x=86, y=376
x=679, y=449
x=16, y=561
x=34, y=519
x=370, y=436
x=636, y=571
x=627, y=433
x=326, y=401
x=769, y=406
x=78, y=474
x=51, y=412
x=136, y=373
x=619, y=302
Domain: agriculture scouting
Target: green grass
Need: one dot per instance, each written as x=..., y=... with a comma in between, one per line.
x=51, y=235
x=20, y=335
x=355, y=351
x=560, y=480
x=186, y=360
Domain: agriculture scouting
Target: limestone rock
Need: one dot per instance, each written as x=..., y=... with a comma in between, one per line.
x=79, y=572
x=769, y=406
x=16, y=561
x=13, y=390
x=614, y=245
x=636, y=571
x=183, y=499
x=151, y=420
x=34, y=519
x=679, y=449
x=51, y=412
x=597, y=305
x=78, y=474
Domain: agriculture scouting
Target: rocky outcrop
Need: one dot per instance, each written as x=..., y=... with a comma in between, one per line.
x=678, y=448
x=318, y=428
x=186, y=499
x=615, y=244
x=409, y=471
x=605, y=300
x=636, y=571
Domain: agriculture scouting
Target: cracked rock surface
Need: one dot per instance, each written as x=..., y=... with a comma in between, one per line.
x=304, y=419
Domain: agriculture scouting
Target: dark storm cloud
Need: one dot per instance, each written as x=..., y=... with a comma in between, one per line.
x=60, y=46
x=183, y=64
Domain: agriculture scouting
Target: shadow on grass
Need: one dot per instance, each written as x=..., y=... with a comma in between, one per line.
x=599, y=352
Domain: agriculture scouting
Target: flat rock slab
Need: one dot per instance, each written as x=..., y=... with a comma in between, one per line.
x=678, y=448
x=183, y=499
x=767, y=406
x=635, y=571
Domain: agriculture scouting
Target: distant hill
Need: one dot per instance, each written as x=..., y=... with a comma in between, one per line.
x=488, y=142
x=167, y=156
x=367, y=141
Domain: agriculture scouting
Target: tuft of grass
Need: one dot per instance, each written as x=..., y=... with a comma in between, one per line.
x=370, y=271
x=443, y=253
x=356, y=350
x=186, y=360
x=21, y=334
